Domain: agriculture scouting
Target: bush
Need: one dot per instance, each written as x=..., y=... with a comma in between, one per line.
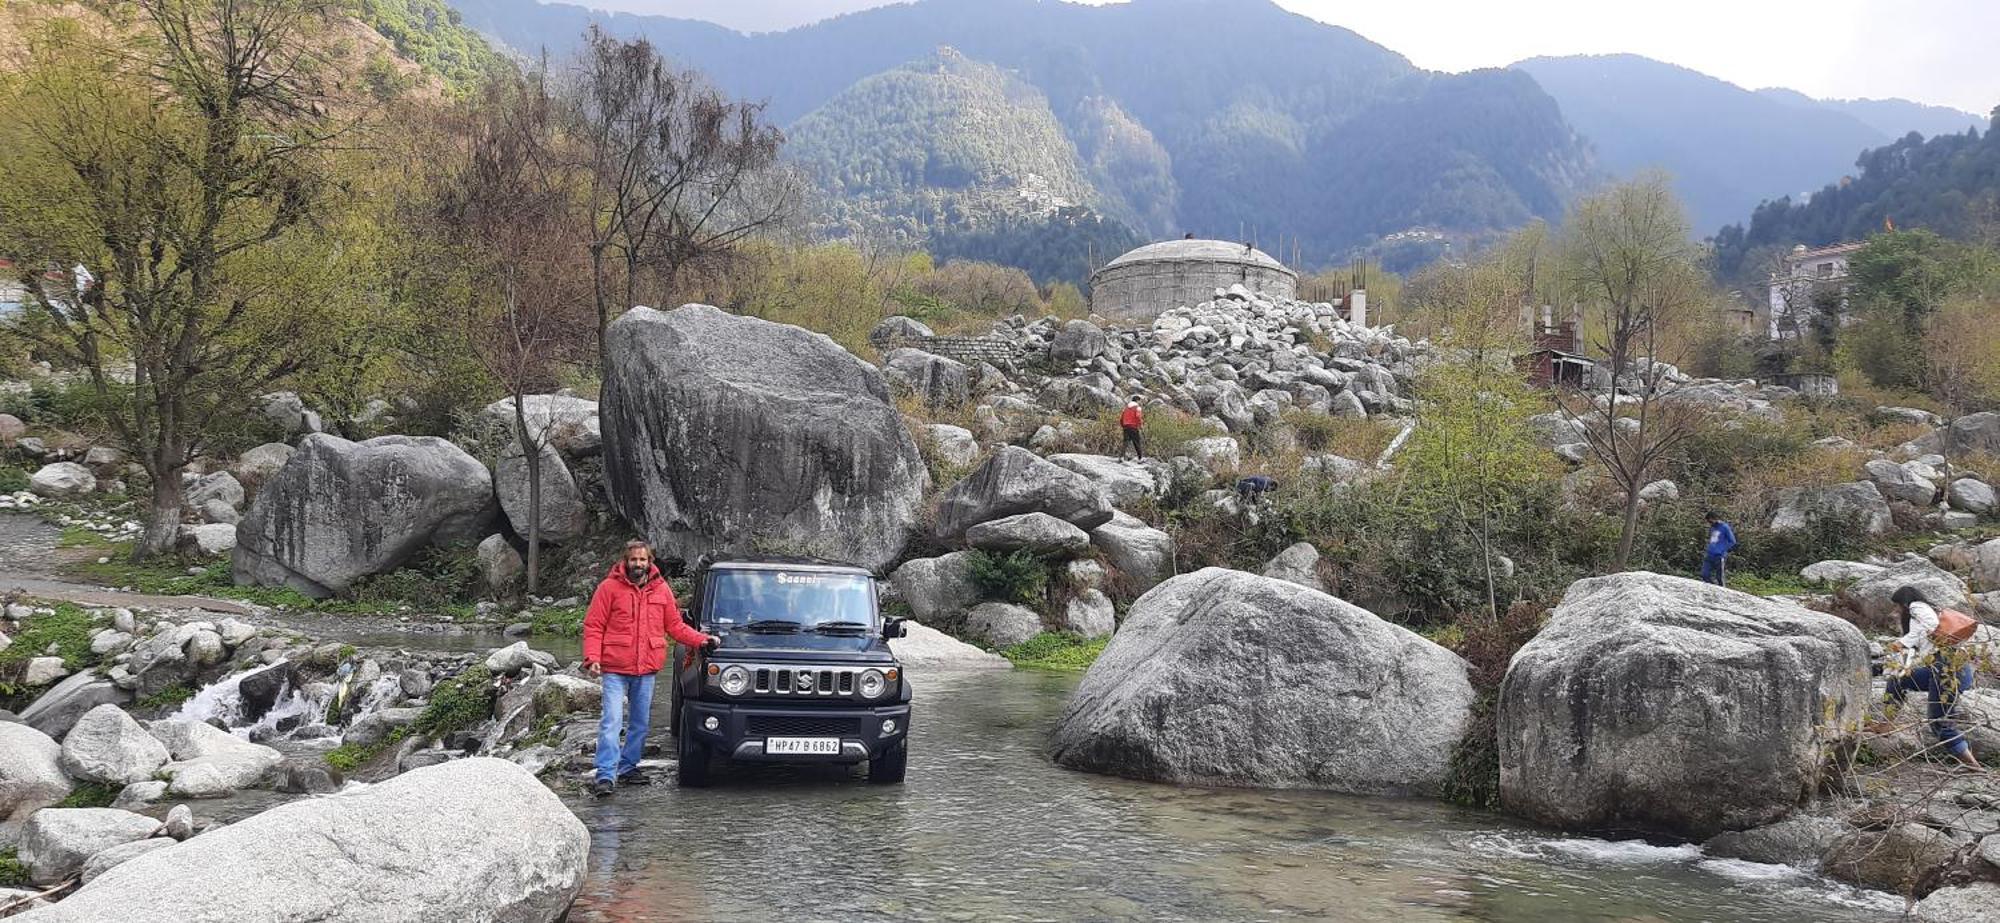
x=558, y=623
x=457, y=703
x=1165, y=435
x=13, y=873
x=1015, y=577
x=1361, y=440
x=91, y=795
x=436, y=579
x=12, y=479
x=1487, y=647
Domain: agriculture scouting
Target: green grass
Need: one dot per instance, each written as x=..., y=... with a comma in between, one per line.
x=167, y=698
x=68, y=628
x=558, y=623
x=13, y=873
x=80, y=537
x=91, y=795
x=12, y=479
x=214, y=580
x=1056, y=652
x=1774, y=585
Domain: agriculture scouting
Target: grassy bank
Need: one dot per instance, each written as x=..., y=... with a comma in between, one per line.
x=1056, y=652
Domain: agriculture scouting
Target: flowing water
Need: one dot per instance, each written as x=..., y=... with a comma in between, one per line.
x=986, y=828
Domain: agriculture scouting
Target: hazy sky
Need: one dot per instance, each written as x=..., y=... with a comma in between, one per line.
x=1935, y=51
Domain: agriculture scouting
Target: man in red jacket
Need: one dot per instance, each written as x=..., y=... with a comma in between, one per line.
x=1131, y=420
x=625, y=642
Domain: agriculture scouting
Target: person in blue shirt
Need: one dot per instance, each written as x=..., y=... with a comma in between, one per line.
x=1721, y=541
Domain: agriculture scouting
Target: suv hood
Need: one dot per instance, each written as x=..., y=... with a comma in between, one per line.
x=743, y=644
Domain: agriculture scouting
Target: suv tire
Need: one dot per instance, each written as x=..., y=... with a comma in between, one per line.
x=693, y=758
x=888, y=768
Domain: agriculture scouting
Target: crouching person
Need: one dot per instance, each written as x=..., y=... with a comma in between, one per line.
x=632, y=614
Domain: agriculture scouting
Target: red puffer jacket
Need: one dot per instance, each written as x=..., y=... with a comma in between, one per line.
x=627, y=626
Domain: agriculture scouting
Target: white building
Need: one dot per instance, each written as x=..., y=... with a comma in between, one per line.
x=1806, y=280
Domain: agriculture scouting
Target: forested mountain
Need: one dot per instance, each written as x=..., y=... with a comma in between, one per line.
x=1894, y=118
x=1727, y=148
x=1949, y=184
x=1227, y=118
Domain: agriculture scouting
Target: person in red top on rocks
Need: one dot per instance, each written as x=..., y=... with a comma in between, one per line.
x=1131, y=420
x=625, y=642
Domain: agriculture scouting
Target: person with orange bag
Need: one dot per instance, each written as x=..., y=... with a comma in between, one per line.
x=1931, y=662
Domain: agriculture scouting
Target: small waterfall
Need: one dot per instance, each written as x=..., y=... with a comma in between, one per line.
x=221, y=700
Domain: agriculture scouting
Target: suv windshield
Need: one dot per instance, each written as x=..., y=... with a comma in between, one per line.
x=791, y=601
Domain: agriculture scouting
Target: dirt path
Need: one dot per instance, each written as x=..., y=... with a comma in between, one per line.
x=32, y=560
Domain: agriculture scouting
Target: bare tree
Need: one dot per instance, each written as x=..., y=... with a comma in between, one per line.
x=1631, y=262
x=674, y=168
x=178, y=175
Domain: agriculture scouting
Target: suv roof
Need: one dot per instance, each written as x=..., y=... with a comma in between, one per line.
x=783, y=562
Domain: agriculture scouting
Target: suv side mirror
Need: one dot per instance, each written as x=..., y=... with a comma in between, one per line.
x=894, y=628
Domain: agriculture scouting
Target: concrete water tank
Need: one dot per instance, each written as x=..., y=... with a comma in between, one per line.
x=1169, y=274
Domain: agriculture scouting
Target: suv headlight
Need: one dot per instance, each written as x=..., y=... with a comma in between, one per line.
x=735, y=681
x=872, y=684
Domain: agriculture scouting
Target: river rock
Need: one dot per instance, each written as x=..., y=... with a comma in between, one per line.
x=179, y=823
x=1145, y=555
x=925, y=648
x=1038, y=533
x=1859, y=504
x=106, y=859
x=31, y=773
x=1897, y=859
x=1298, y=564
x=1225, y=678
x=107, y=746
x=1973, y=903
x=340, y=511
x=62, y=481
x=1870, y=598
x=41, y=671
x=351, y=857
x=376, y=726
x=139, y=794
x=954, y=446
x=309, y=776
x=517, y=657
x=258, y=465
x=1013, y=481
x=1661, y=703
x=1002, y=624
x=1796, y=841
x=565, y=422
x=258, y=692
x=220, y=773
x=55, y=711
x=56, y=841
x=727, y=433
x=1090, y=615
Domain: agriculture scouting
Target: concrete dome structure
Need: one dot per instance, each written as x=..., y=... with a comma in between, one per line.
x=1169, y=274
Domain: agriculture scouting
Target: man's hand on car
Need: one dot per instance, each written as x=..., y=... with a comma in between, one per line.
x=712, y=643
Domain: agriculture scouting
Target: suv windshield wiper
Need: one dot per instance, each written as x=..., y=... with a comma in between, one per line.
x=841, y=628
x=785, y=626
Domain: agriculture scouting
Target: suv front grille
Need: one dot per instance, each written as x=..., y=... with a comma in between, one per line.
x=802, y=726
x=805, y=681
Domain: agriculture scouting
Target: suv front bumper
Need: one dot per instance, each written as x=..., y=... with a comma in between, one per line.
x=741, y=729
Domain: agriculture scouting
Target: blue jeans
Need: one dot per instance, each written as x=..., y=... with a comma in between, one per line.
x=1712, y=566
x=1943, y=686
x=628, y=707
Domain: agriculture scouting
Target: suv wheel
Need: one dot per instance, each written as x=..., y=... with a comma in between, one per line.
x=693, y=758
x=888, y=768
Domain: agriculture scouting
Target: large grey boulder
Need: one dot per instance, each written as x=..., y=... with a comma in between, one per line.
x=1859, y=504
x=1660, y=703
x=1973, y=496
x=1012, y=481
x=1838, y=572
x=1038, y=533
x=260, y=464
x=62, y=480
x=1870, y=597
x=938, y=590
x=1897, y=859
x=1986, y=565
x=1090, y=615
x=104, y=860
x=1225, y=678
x=926, y=648
x=500, y=566
x=56, y=841
x=937, y=380
x=565, y=422
x=952, y=445
x=221, y=487
x=1145, y=555
x=31, y=773
x=1972, y=903
x=1800, y=841
x=727, y=434
x=897, y=327
x=1898, y=482
x=1974, y=433
x=209, y=762
x=563, y=516
x=1298, y=564
x=1076, y=341
x=340, y=511
x=54, y=712
x=1121, y=481
x=421, y=846
x=1002, y=624
x=108, y=747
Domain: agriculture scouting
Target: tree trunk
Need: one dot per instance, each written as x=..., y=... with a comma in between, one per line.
x=532, y=455
x=163, y=517
x=603, y=307
x=1629, y=530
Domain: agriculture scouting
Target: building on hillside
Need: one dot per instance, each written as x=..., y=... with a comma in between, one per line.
x=1810, y=283
x=1144, y=282
x=12, y=292
x=1556, y=359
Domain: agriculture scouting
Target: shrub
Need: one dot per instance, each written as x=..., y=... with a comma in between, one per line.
x=437, y=578
x=12, y=479
x=558, y=623
x=91, y=795
x=13, y=872
x=1016, y=577
x=1487, y=647
x=457, y=703
x=1361, y=440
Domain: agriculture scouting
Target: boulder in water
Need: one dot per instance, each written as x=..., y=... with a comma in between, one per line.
x=1002, y=624
x=926, y=648
x=726, y=434
x=1799, y=841
x=1013, y=481
x=1660, y=703
x=1899, y=859
x=210, y=762
x=340, y=511
x=1972, y=903
x=1220, y=677
x=938, y=590
x=56, y=841
x=108, y=747
x=352, y=857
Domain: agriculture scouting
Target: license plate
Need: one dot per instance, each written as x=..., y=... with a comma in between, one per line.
x=802, y=746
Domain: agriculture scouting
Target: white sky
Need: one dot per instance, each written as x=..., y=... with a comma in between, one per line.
x=1945, y=52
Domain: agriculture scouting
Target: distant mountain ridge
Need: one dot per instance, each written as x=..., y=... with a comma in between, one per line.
x=1227, y=118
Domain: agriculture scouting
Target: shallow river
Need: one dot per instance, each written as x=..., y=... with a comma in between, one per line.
x=986, y=828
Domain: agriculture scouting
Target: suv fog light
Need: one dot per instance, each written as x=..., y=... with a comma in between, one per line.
x=711, y=722
x=888, y=726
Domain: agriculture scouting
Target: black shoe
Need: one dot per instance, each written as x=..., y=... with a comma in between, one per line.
x=635, y=777
x=602, y=788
